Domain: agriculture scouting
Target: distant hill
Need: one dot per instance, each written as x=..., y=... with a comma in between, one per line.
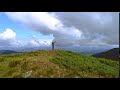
x=56, y=64
x=112, y=54
x=7, y=52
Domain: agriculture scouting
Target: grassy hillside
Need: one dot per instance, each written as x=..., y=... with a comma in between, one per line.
x=56, y=64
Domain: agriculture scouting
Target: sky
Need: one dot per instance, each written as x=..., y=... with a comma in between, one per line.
x=38, y=29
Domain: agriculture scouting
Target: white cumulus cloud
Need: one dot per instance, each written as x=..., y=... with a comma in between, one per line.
x=8, y=38
x=8, y=34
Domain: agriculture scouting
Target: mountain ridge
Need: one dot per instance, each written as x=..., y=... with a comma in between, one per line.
x=112, y=54
x=7, y=52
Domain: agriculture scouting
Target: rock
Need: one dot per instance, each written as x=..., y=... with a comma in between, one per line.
x=27, y=74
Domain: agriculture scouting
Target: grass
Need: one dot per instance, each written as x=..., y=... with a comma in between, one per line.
x=56, y=64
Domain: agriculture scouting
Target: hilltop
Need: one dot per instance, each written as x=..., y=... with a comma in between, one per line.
x=56, y=64
x=112, y=54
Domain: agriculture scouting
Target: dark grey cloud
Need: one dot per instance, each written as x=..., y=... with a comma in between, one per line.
x=102, y=26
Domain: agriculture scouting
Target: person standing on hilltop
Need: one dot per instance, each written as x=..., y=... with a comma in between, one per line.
x=53, y=42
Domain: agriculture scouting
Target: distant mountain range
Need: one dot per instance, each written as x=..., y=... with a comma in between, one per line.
x=112, y=54
x=89, y=50
x=7, y=52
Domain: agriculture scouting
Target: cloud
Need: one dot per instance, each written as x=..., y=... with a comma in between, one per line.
x=8, y=38
x=101, y=26
x=72, y=28
x=7, y=34
x=31, y=43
